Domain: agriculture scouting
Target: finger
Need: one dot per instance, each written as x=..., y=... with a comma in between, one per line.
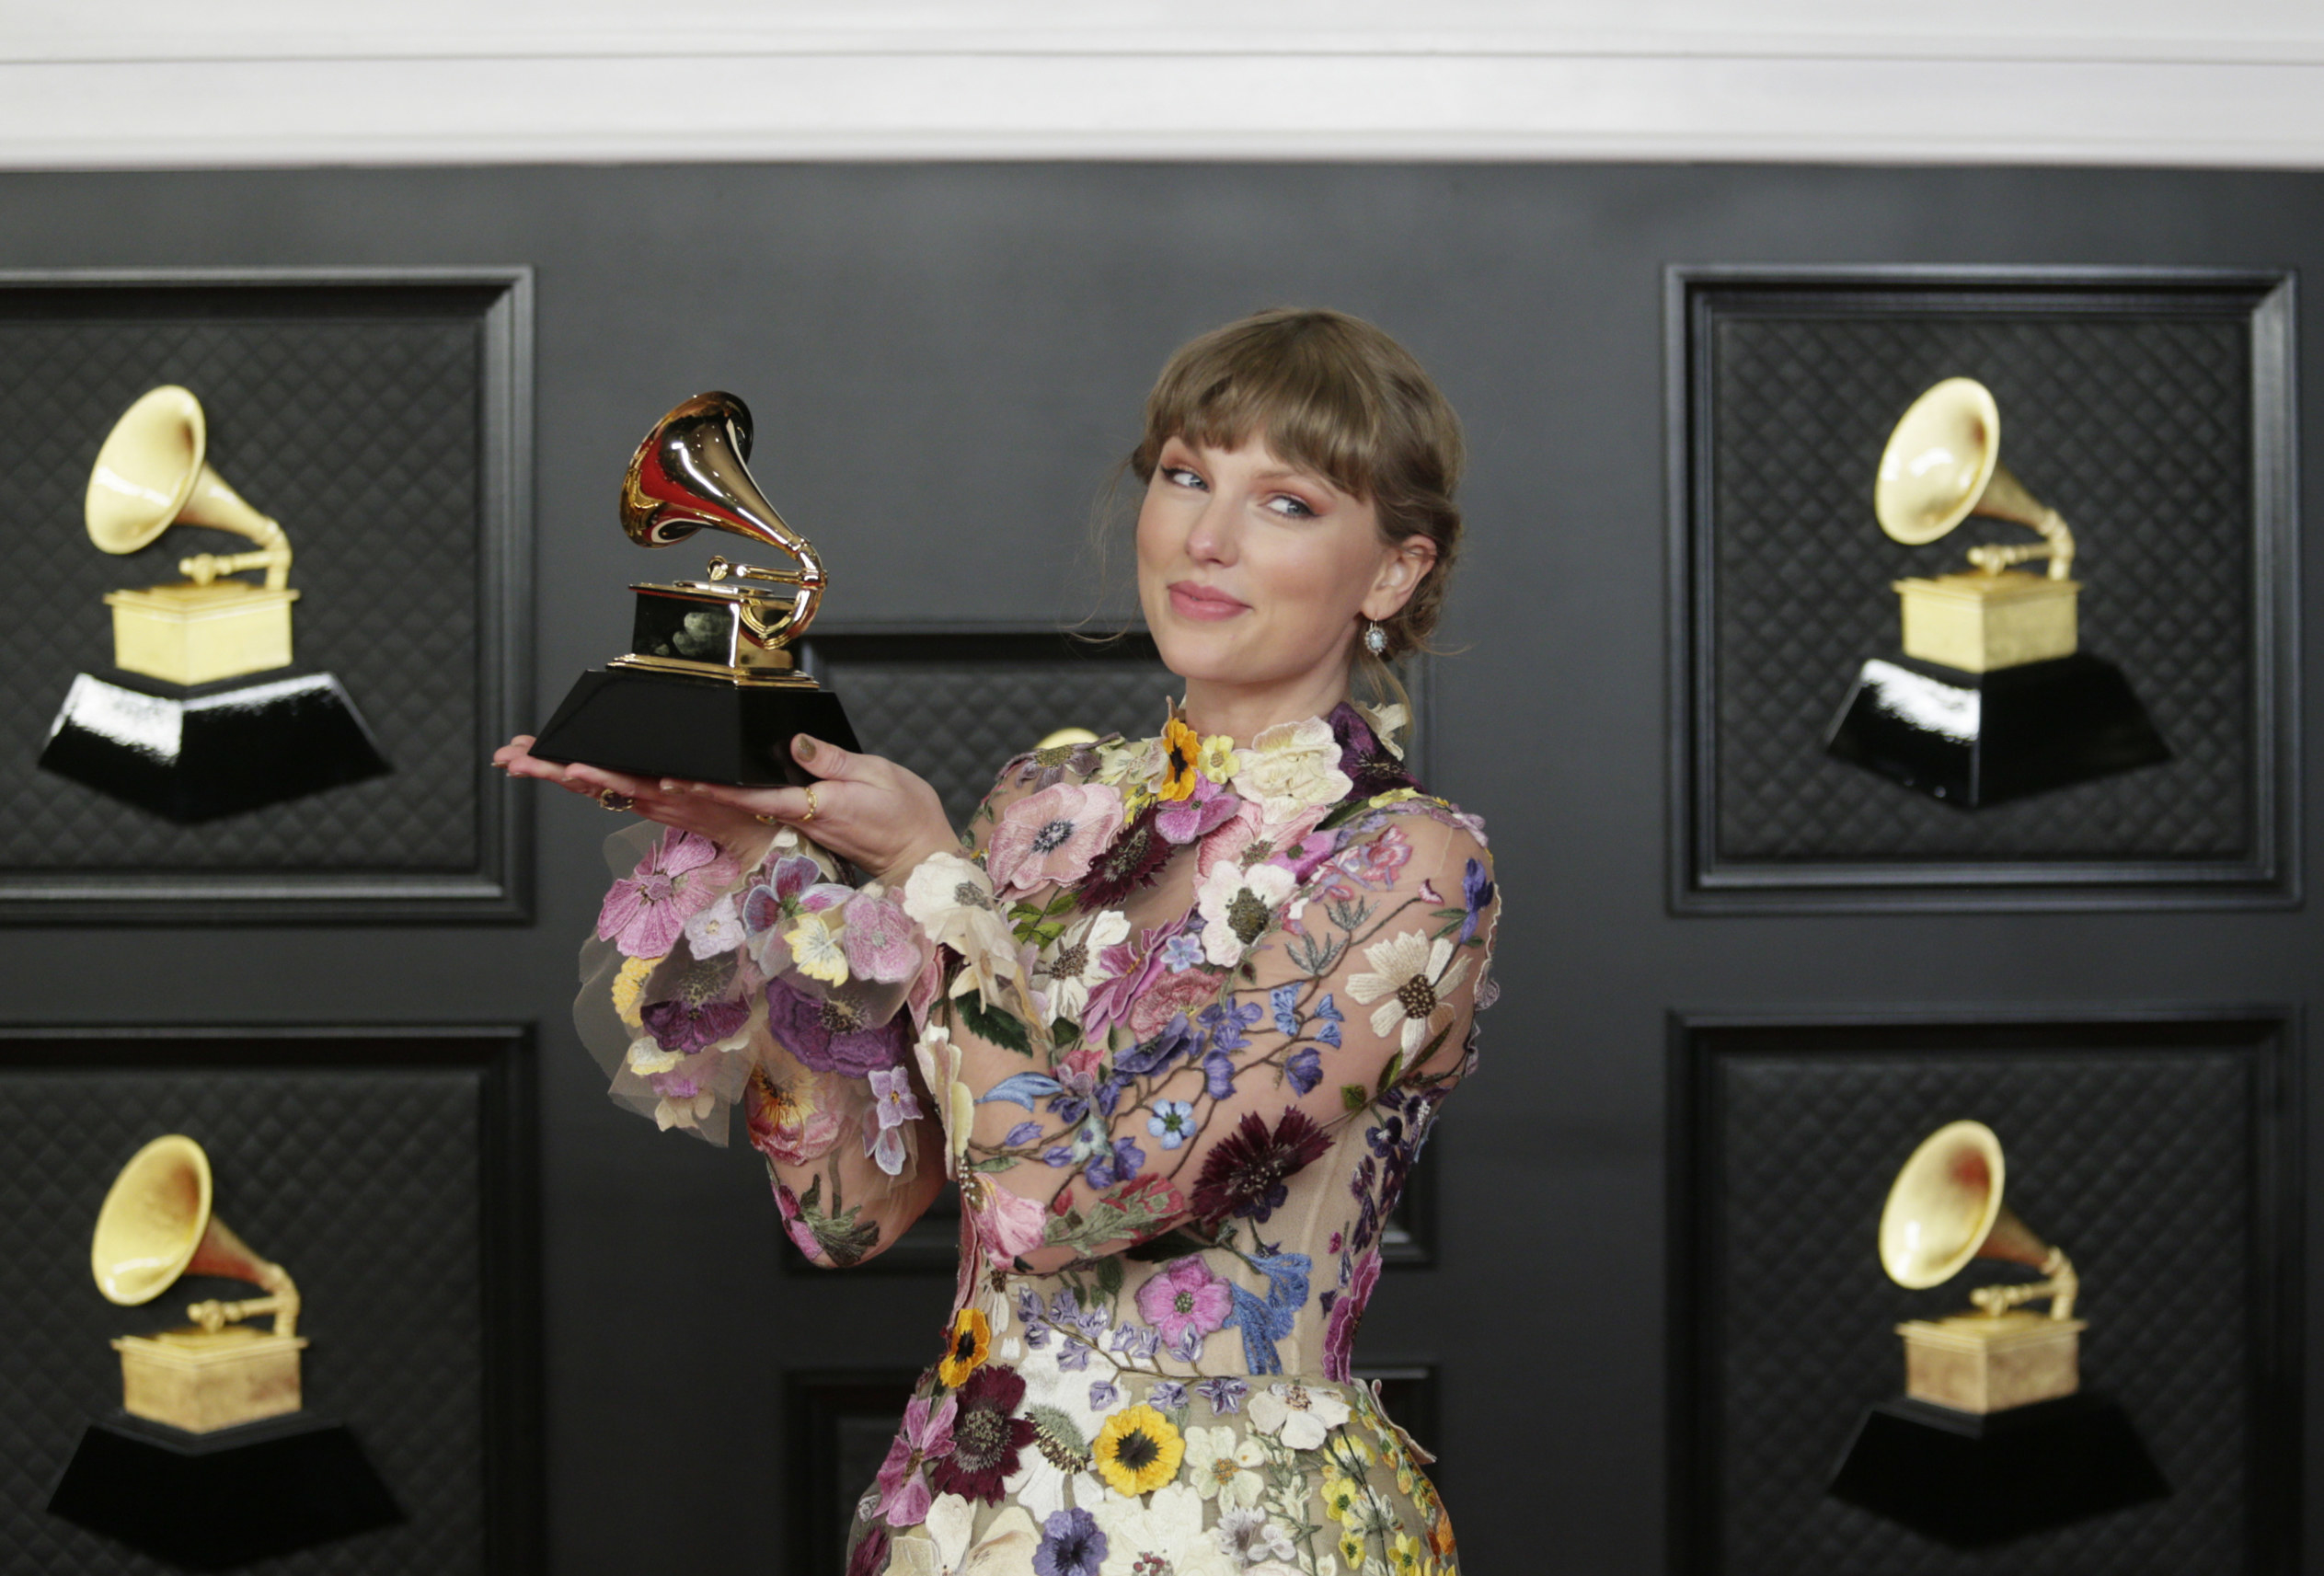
x=593, y=778
x=828, y=762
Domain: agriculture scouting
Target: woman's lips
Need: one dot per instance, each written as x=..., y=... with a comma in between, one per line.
x=1191, y=601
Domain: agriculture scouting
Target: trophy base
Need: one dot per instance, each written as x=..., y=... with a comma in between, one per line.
x=674, y=725
x=1971, y=1480
x=1970, y=740
x=193, y=752
x=212, y=1501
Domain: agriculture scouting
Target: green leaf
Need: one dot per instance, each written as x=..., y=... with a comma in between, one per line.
x=1352, y=1098
x=1388, y=1072
x=1057, y=1429
x=1110, y=1278
x=1000, y=1028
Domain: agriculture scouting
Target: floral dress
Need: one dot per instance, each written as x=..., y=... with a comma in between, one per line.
x=1176, y=1022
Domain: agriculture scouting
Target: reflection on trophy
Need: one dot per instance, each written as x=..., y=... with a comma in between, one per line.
x=710, y=689
x=156, y=1227
x=212, y=1462
x=1944, y=1212
x=165, y=731
x=1992, y=700
x=1995, y=1436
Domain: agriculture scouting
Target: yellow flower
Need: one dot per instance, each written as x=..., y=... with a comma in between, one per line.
x=1217, y=760
x=1394, y=796
x=971, y=1345
x=815, y=949
x=1340, y=1495
x=629, y=985
x=1180, y=748
x=1404, y=1555
x=1352, y=1548
x=1440, y=1535
x=1138, y=1451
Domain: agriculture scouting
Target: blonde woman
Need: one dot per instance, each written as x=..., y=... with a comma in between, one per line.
x=1176, y=1013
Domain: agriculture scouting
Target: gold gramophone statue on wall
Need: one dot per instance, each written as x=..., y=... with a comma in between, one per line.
x=169, y=729
x=710, y=689
x=1992, y=698
x=156, y=1225
x=1943, y=1213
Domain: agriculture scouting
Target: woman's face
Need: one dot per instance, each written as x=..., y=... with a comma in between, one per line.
x=1253, y=574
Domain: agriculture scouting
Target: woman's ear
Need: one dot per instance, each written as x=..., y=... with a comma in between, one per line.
x=1402, y=569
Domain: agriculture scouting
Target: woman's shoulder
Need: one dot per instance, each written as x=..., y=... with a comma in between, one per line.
x=1433, y=834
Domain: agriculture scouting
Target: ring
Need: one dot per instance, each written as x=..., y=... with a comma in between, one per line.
x=615, y=800
x=764, y=820
x=811, y=805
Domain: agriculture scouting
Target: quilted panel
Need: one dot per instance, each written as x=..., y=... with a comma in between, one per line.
x=353, y=417
x=362, y=1182
x=2140, y=1163
x=2137, y=427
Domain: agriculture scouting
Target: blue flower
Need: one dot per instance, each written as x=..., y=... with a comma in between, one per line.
x=1327, y=1013
x=1304, y=1068
x=1121, y=1163
x=1477, y=891
x=1071, y=1544
x=1283, y=1001
x=1172, y=1123
x=1137, y=1341
x=1104, y=1396
x=1024, y=1133
x=1168, y=1395
x=1183, y=952
x=1226, y=1021
x=1060, y=1157
x=1218, y=1074
x=1224, y=1395
x=1178, y=1039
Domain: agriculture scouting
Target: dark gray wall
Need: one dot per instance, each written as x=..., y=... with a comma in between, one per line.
x=945, y=362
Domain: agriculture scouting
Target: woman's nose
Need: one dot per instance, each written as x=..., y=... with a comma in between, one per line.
x=1211, y=539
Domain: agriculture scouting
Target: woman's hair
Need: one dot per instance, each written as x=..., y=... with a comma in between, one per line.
x=1332, y=394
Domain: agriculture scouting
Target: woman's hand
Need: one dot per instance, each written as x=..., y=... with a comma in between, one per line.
x=866, y=808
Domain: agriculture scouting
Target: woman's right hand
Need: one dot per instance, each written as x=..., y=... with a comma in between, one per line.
x=654, y=798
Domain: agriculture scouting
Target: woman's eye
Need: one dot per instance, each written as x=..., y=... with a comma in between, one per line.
x=1178, y=476
x=1293, y=508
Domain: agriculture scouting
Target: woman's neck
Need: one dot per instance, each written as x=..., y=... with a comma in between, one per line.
x=1243, y=712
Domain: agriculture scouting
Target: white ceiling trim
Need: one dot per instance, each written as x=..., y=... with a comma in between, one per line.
x=822, y=96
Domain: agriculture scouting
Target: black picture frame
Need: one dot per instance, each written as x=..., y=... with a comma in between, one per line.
x=1714, y=786
x=346, y=1100
x=1779, y=1413
x=477, y=866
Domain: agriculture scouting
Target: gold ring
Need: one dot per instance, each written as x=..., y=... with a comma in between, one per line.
x=764, y=820
x=811, y=805
x=615, y=800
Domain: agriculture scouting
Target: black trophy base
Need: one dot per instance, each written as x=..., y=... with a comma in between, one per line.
x=207, y=1502
x=674, y=725
x=1971, y=1480
x=1972, y=740
x=192, y=753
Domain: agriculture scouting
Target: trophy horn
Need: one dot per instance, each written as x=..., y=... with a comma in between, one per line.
x=689, y=472
x=1945, y=1209
x=155, y=1226
x=1942, y=464
x=152, y=472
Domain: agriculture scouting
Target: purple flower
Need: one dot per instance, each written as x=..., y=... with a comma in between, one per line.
x=1283, y=1002
x=1071, y=1544
x=1168, y=1395
x=1177, y=1039
x=1196, y=817
x=1104, y=1396
x=682, y=874
x=1304, y=1068
x=1477, y=891
x=1223, y=1394
x=1227, y=1021
x=1136, y=1341
x=903, y=1483
x=1024, y=1133
x=1121, y=1163
x=830, y=1035
x=1185, y=1297
x=1218, y=1074
x=1338, y=1336
x=1180, y=953
x=700, y=1010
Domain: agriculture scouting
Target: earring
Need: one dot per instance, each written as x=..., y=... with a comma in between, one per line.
x=1376, y=639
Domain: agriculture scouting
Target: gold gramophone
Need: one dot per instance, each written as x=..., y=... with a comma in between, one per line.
x=1944, y=1210
x=156, y=1225
x=152, y=472
x=1992, y=698
x=710, y=689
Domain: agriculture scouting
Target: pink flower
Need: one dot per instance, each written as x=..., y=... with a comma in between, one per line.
x=1185, y=1302
x=1128, y=970
x=904, y=1479
x=1009, y=1223
x=1234, y=839
x=648, y=909
x=1207, y=810
x=795, y=1225
x=881, y=942
x=1051, y=836
x=1339, y=1335
x=1368, y=866
x=1172, y=993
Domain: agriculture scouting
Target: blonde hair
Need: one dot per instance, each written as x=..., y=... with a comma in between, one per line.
x=1336, y=396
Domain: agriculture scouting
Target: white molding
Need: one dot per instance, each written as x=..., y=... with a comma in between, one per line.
x=889, y=79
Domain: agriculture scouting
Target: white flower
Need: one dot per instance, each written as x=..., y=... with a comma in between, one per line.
x=1222, y=1467
x=1041, y=1484
x=684, y=1112
x=1409, y=980
x=716, y=929
x=1255, y=1542
x=951, y=898
x=646, y=1058
x=1131, y=761
x=815, y=949
x=1387, y=721
x=1291, y=767
x=941, y=1546
x=1162, y=1531
x=1076, y=962
x=939, y=1062
x=1301, y=1417
x=1237, y=905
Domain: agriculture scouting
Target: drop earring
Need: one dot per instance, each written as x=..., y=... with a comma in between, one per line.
x=1376, y=639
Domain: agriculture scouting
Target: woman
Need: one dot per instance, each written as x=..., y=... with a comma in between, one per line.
x=1177, y=1013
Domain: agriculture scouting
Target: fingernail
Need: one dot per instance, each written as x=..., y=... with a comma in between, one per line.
x=670, y=784
x=803, y=747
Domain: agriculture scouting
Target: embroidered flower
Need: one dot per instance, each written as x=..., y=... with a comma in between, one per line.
x=830, y=1034
x=715, y=930
x=951, y=898
x=1299, y=1416
x=629, y=988
x=1198, y=815
x=926, y=1436
x=1078, y=959
x=1171, y=997
x=1339, y=1335
x=1172, y=1123
x=1184, y=1301
x=1243, y=1175
x=869, y=1556
x=894, y=1109
x=1225, y=1394
x=1217, y=760
x=703, y=1006
x=1071, y=1544
x=967, y=1346
x=774, y=906
x=946, y=1544
x=646, y=911
x=1372, y=766
x=1181, y=746
x=1050, y=836
x=1292, y=768
x=939, y=1062
x=878, y=938
x=1007, y=1223
x=683, y=1101
x=1225, y=1468
x=1476, y=896
x=1129, y=863
x=1137, y=1451
x=1237, y=906
x=1409, y=979
x=815, y=947
x=789, y=1121
x=1244, y=1535
x=1369, y=866
x=1160, y=1535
